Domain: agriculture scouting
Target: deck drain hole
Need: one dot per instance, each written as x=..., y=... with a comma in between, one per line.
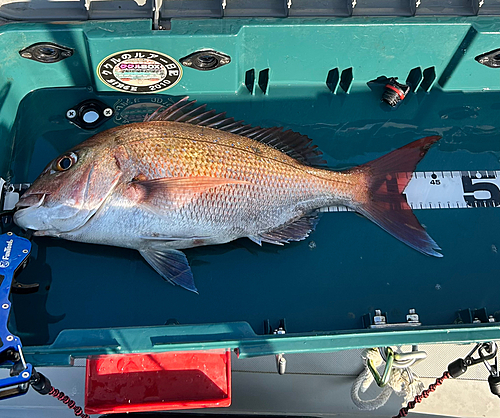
x=264, y=80
x=332, y=80
x=346, y=79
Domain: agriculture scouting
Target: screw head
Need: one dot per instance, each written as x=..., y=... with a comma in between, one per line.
x=5, y=306
x=187, y=63
x=25, y=375
x=26, y=55
x=71, y=114
x=10, y=338
x=107, y=112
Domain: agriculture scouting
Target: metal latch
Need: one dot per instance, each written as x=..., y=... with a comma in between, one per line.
x=379, y=320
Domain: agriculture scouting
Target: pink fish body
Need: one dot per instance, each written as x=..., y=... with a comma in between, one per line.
x=186, y=177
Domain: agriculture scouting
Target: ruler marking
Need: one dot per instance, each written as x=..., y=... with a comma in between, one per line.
x=446, y=190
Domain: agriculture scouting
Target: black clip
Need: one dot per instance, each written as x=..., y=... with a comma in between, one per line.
x=487, y=351
x=494, y=377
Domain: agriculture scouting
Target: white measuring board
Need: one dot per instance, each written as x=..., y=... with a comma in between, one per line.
x=446, y=190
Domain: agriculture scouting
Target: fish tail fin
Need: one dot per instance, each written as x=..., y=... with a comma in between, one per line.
x=385, y=204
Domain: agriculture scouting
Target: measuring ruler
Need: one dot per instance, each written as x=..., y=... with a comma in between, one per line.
x=444, y=189
x=426, y=190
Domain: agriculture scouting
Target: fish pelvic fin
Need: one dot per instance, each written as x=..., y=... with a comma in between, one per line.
x=172, y=265
x=386, y=205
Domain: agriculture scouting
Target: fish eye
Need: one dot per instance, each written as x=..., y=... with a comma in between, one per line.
x=65, y=162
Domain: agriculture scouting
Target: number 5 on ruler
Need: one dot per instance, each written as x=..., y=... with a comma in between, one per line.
x=482, y=190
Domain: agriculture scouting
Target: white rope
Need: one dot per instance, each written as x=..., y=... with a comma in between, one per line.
x=399, y=382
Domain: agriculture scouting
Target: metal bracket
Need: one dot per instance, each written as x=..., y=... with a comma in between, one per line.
x=474, y=316
x=14, y=252
x=46, y=52
x=379, y=320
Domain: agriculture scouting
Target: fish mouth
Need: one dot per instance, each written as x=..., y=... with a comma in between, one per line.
x=31, y=200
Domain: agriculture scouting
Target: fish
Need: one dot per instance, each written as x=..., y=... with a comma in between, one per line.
x=187, y=176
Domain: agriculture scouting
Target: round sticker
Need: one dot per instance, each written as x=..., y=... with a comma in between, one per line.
x=139, y=71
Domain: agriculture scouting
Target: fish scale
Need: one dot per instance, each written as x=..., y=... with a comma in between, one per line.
x=285, y=176
x=160, y=186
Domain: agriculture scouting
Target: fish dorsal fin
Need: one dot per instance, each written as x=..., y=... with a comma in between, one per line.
x=297, y=230
x=289, y=142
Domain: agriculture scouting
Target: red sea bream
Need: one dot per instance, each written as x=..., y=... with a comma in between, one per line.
x=187, y=177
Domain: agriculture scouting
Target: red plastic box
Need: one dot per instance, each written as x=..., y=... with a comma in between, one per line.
x=158, y=381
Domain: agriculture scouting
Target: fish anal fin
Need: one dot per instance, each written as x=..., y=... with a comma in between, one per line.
x=297, y=230
x=256, y=239
x=292, y=143
x=172, y=265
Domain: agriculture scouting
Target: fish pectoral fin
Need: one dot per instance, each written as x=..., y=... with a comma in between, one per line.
x=171, y=238
x=189, y=185
x=166, y=193
x=172, y=265
x=297, y=230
